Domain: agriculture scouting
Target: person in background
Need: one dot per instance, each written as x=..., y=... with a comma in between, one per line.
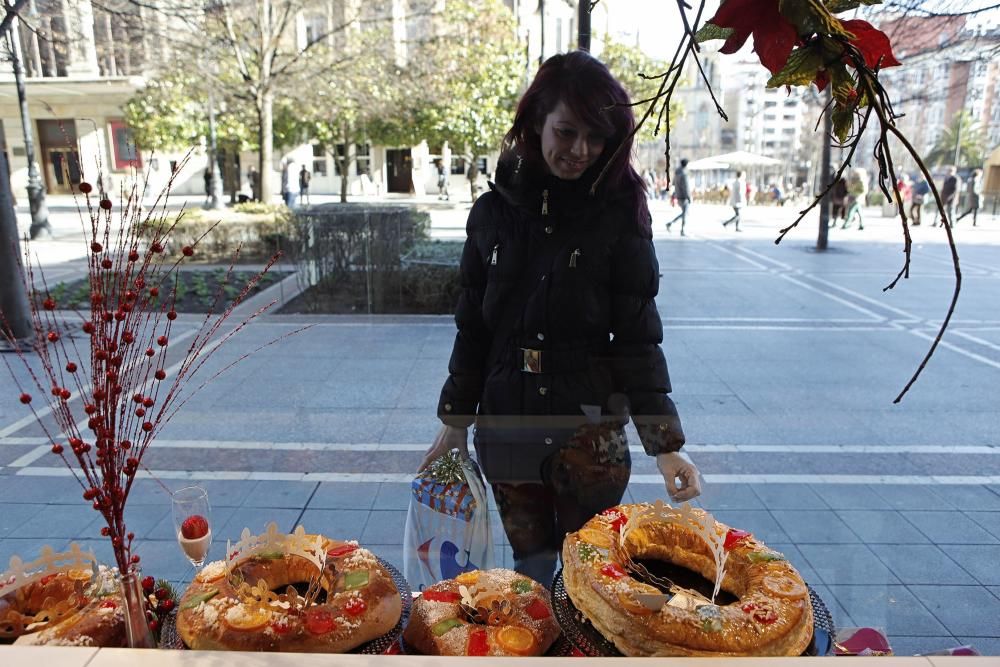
x=442, y=175
x=558, y=342
x=304, y=178
x=682, y=194
x=949, y=193
x=973, y=195
x=737, y=198
x=286, y=192
x=857, y=194
x=838, y=201
x=920, y=191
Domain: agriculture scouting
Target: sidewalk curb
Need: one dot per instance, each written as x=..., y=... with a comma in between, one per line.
x=280, y=293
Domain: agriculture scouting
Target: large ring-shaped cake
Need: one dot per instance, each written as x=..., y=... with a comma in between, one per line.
x=484, y=612
x=359, y=602
x=772, y=615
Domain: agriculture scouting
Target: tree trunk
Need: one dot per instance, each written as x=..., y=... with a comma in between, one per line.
x=473, y=176
x=15, y=314
x=345, y=165
x=265, y=112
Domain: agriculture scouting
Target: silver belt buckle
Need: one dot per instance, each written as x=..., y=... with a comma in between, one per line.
x=531, y=360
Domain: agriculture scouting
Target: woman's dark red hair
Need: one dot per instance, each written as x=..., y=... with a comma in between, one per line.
x=586, y=86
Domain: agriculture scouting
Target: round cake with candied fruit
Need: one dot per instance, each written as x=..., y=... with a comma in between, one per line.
x=483, y=612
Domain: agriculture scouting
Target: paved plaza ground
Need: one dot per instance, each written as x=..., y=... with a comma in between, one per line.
x=784, y=362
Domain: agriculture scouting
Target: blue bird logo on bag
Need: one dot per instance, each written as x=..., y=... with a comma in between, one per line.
x=450, y=567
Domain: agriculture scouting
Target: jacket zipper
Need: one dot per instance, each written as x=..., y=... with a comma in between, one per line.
x=493, y=256
x=572, y=258
x=545, y=202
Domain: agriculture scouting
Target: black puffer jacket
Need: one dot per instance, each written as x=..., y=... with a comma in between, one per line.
x=547, y=267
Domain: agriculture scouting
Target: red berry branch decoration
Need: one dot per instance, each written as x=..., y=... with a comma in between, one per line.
x=128, y=377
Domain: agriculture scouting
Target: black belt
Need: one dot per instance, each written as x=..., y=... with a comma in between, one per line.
x=529, y=360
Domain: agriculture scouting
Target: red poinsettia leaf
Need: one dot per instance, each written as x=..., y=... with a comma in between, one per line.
x=773, y=35
x=822, y=78
x=873, y=44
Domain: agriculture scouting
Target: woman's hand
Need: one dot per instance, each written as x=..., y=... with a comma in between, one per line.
x=448, y=438
x=673, y=466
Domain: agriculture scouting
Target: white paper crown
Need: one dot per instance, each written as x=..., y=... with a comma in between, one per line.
x=297, y=543
x=21, y=574
x=699, y=522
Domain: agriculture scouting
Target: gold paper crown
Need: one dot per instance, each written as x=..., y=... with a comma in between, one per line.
x=698, y=521
x=20, y=574
x=485, y=607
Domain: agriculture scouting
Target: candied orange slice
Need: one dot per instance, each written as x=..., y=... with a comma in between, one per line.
x=247, y=619
x=784, y=586
x=79, y=574
x=468, y=578
x=517, y=640
x=633, y=606
x=599, y=538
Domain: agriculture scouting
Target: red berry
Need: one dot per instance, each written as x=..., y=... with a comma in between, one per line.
x=49, y=304
x=90, y=409
x=194, y=527
x=96, y=247
x=147, y=402
x=85, y=187
x=26, y=398
x=128, y=337
x=126, y=445
x=106, y=204
x=57, y=449
x=106, y=263
x=168, y=606
x=162, y=593
x=64, y=394
x=154, y=291
x=160, y=374
x=147, y=426
x=162, y=341
x=140, y=412
x=70, y=367
x=137, y=398
x=135, y=558
x=88, y=327
x=156, y=247
x=150, y=352
x=154, y=625
x=105, y=531
x=148, y=583
x=52, y=336
x=172, y=315
x=133, y=256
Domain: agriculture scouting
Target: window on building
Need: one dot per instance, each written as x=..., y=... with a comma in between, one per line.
x=768, y=104
x=125, y=152
x=457, y=165
x=315, y=29
x=363, y=158
x=559, y=35
x=319, y=160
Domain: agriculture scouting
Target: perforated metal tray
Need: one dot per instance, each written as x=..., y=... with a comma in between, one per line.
x=589, y=641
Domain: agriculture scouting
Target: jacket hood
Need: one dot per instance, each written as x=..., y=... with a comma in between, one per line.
x=522, y=184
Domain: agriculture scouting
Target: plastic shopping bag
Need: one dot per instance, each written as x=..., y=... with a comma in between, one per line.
x=448, y=523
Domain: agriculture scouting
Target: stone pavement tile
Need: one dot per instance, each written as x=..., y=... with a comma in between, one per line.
x=789, y=497
x=971, y=498
x=850, y=496
x=995, y=590
x=907, y=645
x=338, y=495
x=16, y=514
x=411, y=427
x=847, y=564
x=393, y=462
x=985, y=645
x=988, y=520
x=63, y=521
x=423, y=385
x=393, y=496
x=223, y=492
x=922, y=563
x=11, y=453
x=759, y=522
x=27, y=549
x=796, y=558
x=268, y=494
x=165, y=529
x=151, y=491
x=722, y=497
x=164, y=559
x=37, y=489
x=893, y=608
x=881, y=527
x=256, y=520
x=814, y=527
x=337, y=524
x=964, y=610
x=384, y=527
x=101, y=548
x=841, y=618
x=142, y=520
x=981, y=561
x=949, y=528
x=648, y=493
x=912, y=497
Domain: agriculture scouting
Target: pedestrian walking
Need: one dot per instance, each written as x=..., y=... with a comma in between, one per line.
x=304, y=178
x=737, y=198
x=559, y=337
x=838, y=201
x=949, y=193
x=920, y=191
x=682, y=194
x=857, y=194
x=442, y=174
x=254, y=177
x=973, y=195
x=208, y=184
x=286, y=192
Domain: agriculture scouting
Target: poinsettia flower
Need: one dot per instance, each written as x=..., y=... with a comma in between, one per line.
x=873, y=44
x=773, y=35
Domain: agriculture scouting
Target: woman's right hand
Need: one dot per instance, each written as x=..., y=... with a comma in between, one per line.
x=448, y=438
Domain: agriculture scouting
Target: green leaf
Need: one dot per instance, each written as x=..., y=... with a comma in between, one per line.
x=710, y=31
x=844, y=85
x=843, y=121
x=800, y=70
x=838, y=6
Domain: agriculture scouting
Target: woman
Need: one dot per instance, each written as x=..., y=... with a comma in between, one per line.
x=558, y=334
x=738, y=196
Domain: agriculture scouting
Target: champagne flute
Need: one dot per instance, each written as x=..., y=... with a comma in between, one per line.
x=192, y=522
